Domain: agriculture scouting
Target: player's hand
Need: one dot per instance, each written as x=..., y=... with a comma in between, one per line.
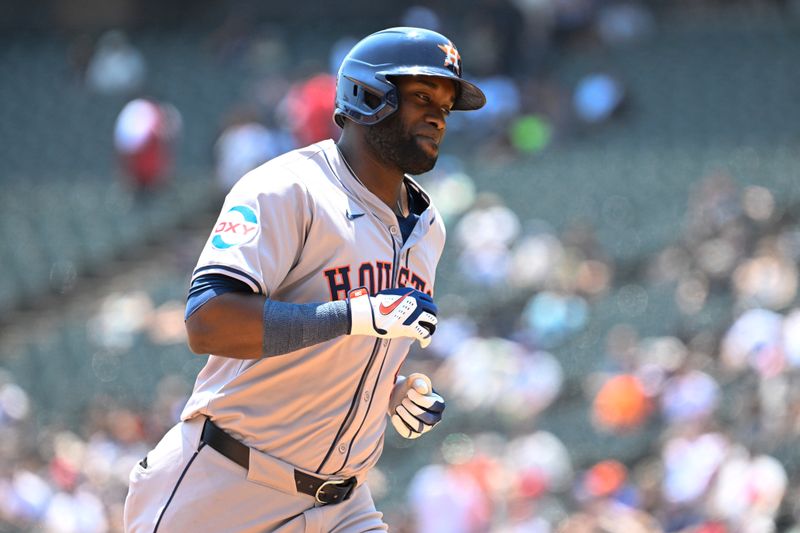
x=414, y=407
x=393, y=313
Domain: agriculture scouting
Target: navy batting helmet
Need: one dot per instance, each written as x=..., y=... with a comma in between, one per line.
x=371, y=63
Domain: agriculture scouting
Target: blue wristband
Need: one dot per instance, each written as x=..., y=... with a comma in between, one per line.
x=289, y=326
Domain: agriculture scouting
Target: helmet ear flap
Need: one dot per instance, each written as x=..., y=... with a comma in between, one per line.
x=362, y=103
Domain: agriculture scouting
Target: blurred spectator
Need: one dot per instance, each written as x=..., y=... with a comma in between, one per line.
x=624, y=22
x=530, y=133
x=488, y=483
x=499, y=26
x=542, y=456
x=573, y=263
x=551, y=318
x=754, y=341
x=244, y=144
x=485, y=234
x=609, y=517
x=597, y=97
x=421, y=17
x=308, y=109
x=573, y=22
x=14, y=402
x=267, y=53
x=748, y=491
x=435, y=488
x=116, y=67
x=119, y=318
x=713, y=207
x=690, y=462
x=144, y=137
x=25, y=496
x=689, y=396
x=604, y=479
x=452, y=331
x=75, y=511
x=621, y=404
x=503, y=377
x=451, y=186
x=536, y=260
x=791, y=338
x=503, y=105
x=769, y=279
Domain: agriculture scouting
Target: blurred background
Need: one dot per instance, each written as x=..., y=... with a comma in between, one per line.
x=620, y=333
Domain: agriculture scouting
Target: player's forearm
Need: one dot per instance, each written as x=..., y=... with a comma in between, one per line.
x=244, y=326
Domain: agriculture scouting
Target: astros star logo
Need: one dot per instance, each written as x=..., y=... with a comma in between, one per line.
x=452, y=57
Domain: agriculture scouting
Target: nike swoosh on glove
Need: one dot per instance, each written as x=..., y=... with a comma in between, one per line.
x=392, y=313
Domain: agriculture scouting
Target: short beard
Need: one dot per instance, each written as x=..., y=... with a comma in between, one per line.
x=392, y=143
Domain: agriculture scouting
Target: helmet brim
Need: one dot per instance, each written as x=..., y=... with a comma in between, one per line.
x=469, y=97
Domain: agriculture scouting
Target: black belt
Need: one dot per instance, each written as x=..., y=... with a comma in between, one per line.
x=325, y=491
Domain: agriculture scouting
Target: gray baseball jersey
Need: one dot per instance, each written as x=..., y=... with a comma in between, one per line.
x=301, y=228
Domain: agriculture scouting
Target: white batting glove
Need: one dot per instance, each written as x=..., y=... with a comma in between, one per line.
x=414, y=407
x=393, y=313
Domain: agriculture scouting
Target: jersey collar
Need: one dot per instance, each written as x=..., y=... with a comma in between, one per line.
x=364, y=196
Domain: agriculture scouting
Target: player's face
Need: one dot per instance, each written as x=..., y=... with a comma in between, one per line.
x=409, y=139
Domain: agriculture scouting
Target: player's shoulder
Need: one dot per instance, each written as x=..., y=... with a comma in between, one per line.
x=300, y=157
x=437, y=226
x=298, y=167
x=437, y=220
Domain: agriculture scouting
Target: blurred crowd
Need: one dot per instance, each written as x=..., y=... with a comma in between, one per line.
x=510, y=49
x=717, y=405
x=66, y=477
x=714, y=403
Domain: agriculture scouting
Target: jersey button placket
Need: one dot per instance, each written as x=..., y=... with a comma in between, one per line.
x=367, y=396
x=342, y=448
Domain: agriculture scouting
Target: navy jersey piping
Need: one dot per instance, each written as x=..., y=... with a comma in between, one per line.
x=369, y=407
x=351, y=412
x=177, y=484
x=359, y=390
x=234, y=271
x=395, y=266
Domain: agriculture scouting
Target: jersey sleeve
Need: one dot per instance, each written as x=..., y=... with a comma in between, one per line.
x=207, y=286
x=260, y=232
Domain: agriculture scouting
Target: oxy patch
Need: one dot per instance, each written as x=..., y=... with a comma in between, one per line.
x=237, y=226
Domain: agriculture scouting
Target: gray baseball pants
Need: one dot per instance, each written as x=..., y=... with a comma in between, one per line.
x=189, y=487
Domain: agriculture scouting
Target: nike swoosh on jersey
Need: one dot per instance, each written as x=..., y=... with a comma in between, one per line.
x=386, y=309
x=353, y=216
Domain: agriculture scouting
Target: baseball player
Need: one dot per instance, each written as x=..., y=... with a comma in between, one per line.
x=316, y=279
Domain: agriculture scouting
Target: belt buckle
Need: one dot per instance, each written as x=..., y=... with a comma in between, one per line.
x=324, y=484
